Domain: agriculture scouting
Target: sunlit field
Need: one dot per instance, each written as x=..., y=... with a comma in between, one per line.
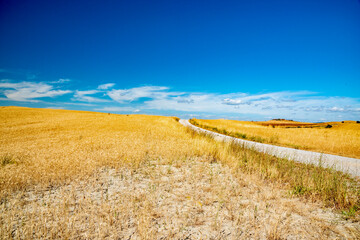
x=71, y=174
x=339, y=138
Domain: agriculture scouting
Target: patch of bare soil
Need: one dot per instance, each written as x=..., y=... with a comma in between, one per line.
x=192, y=199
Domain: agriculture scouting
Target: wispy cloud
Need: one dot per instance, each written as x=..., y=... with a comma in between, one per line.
x=105, y=86
x=83, y=96
x=343, y=109
x=274, y=97
x=29, y=91
x=61, y=80
x=229, y=101
x=118, y=109
x=286, y=104
x=78, y=104
x=132, y=94
x=297, y=105
x=55, y=107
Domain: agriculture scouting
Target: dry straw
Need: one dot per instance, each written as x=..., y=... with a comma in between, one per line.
x=70, y=174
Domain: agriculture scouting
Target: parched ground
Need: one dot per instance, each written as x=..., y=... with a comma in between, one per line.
x=190, y=199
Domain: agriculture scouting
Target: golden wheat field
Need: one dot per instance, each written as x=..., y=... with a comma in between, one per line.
x=87, y=175
x=343, y=138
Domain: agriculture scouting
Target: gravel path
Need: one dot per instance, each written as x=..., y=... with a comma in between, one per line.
x=345, y=164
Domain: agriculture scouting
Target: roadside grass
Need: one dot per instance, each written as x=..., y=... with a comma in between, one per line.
x=334, y=188
x=341, y=139
x=230, y=133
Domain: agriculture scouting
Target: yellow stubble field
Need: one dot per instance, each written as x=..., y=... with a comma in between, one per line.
x=343, y=138
x=74, y=174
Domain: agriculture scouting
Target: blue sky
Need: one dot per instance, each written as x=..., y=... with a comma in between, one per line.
x=248, y=60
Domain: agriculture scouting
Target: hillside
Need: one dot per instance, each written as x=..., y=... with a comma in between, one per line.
x=71, y=174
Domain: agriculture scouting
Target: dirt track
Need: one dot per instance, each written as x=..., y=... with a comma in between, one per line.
x=345, y=164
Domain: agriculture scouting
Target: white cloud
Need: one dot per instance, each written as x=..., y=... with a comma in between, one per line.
x=105, y=86
x=343, y=109
x=132, y=94
x=201, y=103
x=297, y=105
x=61, y=80
x=337, y=109
x=78, y=104
x=119, y=109
x=55, y=107
x=185, y=100
x=83, y=96
x=286, y=104
x=229, y=101
x=29, y=91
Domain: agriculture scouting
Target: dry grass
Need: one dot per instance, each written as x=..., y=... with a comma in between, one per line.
x=341, y=139
x=53, y=146
x=191, y=199
x=68, y=174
